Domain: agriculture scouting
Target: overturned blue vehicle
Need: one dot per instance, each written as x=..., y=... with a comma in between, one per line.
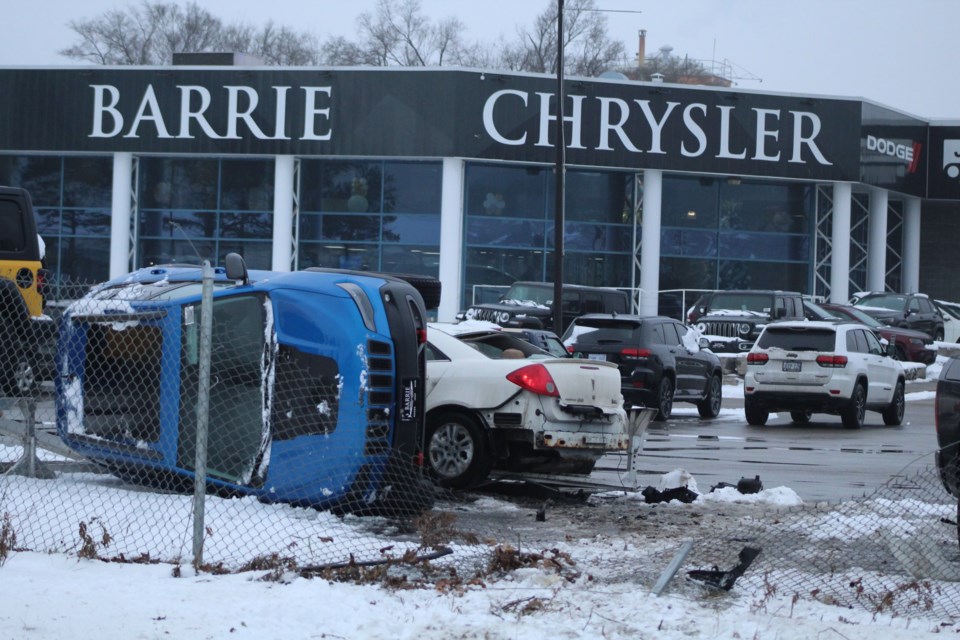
x=316, y=384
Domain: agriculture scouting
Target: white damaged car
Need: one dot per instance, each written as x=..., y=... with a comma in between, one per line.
x=495, y=401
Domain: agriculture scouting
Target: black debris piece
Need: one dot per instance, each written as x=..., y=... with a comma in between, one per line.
x=722, y=485
x=724, y=579
x=683, y=494
x=747, y=485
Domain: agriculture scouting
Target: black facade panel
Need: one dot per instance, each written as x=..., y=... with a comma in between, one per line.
x=425, y=113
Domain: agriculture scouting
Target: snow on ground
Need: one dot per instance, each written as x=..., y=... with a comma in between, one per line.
x=597, y=595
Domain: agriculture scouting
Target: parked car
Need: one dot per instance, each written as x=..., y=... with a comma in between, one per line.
x=822, y=367
x=316, y=394
x=909, y=345
x=529, y=305
x=732, y=320
x=660, y=360
x=947, y=420
x=951, y=320
x=495, y=401
x=908, y=310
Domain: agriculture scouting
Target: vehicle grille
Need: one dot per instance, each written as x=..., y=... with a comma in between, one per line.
x=489, y=315
x=719, y=328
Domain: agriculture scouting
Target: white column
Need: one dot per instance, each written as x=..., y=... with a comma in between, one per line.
x=120, y=213
x=451, y=239
x=282, y=213
x=840, y=242
x=877, y=241
x=911, y=245
x=650, y=242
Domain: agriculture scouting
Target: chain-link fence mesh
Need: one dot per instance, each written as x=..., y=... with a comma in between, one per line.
x=98, y=451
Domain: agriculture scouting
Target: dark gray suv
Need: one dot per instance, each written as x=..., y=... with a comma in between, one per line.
x=660, y=360
x=907, y=310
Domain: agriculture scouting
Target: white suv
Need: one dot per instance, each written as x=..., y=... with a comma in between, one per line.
x=822, y=367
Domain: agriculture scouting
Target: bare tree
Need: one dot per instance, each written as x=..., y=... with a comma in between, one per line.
x=272, y=44
x=151, y=32
x=399, y=34
x=587, y=48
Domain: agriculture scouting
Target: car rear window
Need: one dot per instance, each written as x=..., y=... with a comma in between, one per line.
x=798, y=339
x=603, y=331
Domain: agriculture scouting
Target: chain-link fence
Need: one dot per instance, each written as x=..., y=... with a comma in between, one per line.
x=98, y=449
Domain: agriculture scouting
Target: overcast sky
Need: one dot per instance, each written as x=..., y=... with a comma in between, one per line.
x=894, y=52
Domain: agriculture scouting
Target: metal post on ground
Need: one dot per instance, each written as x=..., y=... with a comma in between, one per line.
x=29, y=465
x=203, y=413
x=638, y=418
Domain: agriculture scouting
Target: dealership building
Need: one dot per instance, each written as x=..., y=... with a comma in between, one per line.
x=450, y=172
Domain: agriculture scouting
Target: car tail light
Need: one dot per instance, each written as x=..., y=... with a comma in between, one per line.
x=631, y=352
x=757, y=358
x=833, y=362
x=421, y=336
x=535, y=378
x=569, y=348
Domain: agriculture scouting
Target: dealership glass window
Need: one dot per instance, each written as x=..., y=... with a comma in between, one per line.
x=506, y=192
x=508, y=230
x=201, y=209
x=72, y=198
x=717, y=233
x=371, y=215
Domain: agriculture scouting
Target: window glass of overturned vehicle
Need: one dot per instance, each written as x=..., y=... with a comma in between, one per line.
x=236, y=378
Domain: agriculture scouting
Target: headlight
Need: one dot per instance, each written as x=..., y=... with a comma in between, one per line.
x=702, y=327
x=503, y=316
x=744, y=328
x=471, y=313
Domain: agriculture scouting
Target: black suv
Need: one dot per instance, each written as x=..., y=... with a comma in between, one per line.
x=731, y=321
x=660, y=360
x=529, y=305
x=907, y=310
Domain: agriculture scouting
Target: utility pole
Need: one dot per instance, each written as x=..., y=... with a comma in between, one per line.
x=560, y=180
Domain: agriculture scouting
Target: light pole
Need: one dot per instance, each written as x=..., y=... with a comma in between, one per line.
x=559, y=170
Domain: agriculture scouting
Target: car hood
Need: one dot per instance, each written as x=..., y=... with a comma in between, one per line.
x=906, y=333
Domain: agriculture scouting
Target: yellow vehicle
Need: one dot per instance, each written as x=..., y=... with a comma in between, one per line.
x=21, y=290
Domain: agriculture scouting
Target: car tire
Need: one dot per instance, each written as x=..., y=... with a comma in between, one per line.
x=938, y=336
x=755, y=415
x=709, y=407
x=855, y=412
x=664, y=399
x=458, y=453
x=801, y=417
x=893, y=414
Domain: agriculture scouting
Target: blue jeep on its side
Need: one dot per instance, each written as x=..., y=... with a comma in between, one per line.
x=316, y=384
